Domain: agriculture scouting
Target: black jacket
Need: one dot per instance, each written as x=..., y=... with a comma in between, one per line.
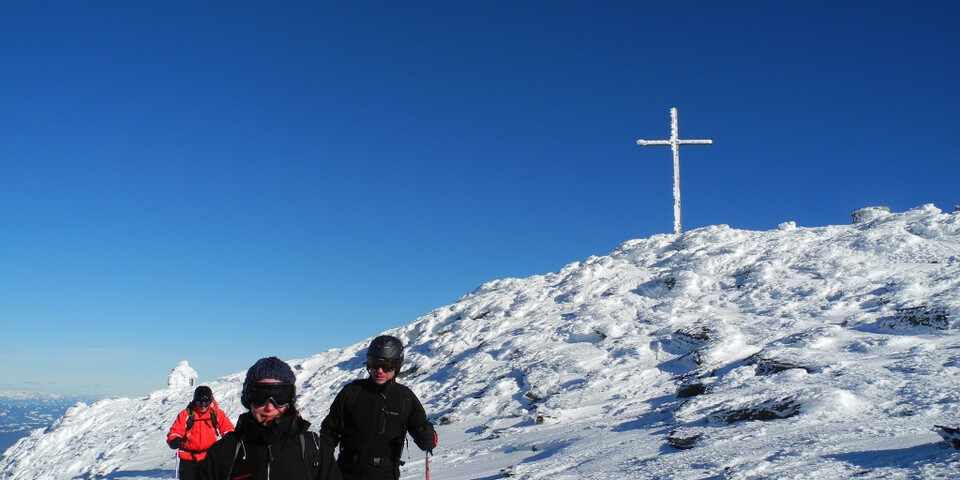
x=286, y=450
x=370, y=421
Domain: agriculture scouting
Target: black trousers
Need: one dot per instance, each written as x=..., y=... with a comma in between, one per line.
x=188, y=470
x=360, y=471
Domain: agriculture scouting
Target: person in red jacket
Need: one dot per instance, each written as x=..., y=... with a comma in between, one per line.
x=196, y=428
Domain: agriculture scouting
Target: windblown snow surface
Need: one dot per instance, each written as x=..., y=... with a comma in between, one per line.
x=825, y=352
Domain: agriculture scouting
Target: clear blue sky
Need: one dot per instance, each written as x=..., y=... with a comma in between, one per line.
x=220, y=181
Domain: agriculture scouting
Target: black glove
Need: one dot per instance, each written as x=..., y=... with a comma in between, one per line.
x=426, y=438
x=176, y=443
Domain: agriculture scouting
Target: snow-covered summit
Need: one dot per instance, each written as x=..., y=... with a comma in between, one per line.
x=182, y=376
x=823, y=352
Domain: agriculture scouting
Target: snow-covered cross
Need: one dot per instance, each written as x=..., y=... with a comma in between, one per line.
x=675, y=143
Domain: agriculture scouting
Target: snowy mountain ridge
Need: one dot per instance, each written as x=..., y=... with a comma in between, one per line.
x=824, y=352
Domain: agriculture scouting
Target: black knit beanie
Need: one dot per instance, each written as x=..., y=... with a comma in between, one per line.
x=267, y=368
x=270, y=367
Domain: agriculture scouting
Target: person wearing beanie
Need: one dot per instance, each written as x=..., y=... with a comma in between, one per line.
x=196, y=428
x=370, y=418
x=271, y=440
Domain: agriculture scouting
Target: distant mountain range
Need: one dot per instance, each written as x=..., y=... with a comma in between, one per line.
x=26, y=395
x=23, y=412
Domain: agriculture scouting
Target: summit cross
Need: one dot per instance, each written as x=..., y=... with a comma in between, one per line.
x=675, y=143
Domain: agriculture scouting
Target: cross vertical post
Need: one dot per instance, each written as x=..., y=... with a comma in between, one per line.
x=675, y=143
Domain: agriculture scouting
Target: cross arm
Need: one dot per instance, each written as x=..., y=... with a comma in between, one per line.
x=644, y=143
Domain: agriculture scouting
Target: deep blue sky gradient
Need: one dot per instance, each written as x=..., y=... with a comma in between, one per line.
x=221, y=181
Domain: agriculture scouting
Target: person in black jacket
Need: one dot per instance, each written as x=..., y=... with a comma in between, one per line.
x=370, y=418
x=271, y=440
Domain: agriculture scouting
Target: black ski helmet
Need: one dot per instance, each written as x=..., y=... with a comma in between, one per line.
x=386, y=347
x=202, y=394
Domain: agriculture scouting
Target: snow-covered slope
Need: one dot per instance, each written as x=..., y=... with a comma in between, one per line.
x=793, y=353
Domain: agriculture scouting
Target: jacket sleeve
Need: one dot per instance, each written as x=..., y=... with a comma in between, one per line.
x=179, y=427
x=419, y=427
x=214, y=466
x=223, y=422
x=332, y=424
x=329, y=470
x=331, y=428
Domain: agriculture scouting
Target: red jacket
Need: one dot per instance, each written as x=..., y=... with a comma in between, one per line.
x=199, y=438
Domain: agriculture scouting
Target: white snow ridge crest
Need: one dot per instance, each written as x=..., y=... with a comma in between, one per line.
x=823, y=352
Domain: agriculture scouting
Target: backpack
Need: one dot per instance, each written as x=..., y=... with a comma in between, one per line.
x=213, y=420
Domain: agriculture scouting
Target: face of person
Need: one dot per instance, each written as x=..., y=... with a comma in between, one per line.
x=381, y=371
x=201, y=403
x=380, y=377
x=266, y=410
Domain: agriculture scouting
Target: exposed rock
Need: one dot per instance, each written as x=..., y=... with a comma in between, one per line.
x=683, y=440
x=691, y=390
x=950, y=434
x=919, y=317
x=770, y=410
x=866, y=214
x=769, y=366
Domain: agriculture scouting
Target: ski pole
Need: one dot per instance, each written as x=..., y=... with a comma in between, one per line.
x=427, y=455
x=176, y=466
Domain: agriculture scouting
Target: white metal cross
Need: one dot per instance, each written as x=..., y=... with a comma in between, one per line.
x=675, y=143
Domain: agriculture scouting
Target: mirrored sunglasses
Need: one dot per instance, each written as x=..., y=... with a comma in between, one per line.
x=381, y=363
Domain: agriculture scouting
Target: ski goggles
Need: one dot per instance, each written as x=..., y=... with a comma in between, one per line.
x=202, y=400
x=384, y=364
x=280, y=394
